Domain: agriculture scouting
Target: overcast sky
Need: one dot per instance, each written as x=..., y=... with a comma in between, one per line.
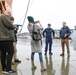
x=47, y=11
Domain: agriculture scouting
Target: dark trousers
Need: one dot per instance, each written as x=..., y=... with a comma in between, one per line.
x=48, y=42
x=6, y=48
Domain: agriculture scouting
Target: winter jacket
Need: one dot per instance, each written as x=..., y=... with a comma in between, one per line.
x=49, y=33
x=6, y=28
x=35, y=45
x=64, y=31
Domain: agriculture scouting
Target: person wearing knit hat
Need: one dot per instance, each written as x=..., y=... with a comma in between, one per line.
x=49, y=35
x=36, y=46
x=30, y=19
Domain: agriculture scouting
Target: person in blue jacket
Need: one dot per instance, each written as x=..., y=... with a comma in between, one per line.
x=48, y=33
x=64, y=37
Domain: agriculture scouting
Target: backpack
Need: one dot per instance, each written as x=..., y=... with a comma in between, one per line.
x=36, y=36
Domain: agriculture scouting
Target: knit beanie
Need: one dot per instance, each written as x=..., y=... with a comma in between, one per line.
x=30, y=19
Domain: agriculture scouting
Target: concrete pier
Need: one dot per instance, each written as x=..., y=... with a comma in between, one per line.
x=55, y=64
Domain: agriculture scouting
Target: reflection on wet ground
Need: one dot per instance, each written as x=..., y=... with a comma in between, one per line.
x=55, y=64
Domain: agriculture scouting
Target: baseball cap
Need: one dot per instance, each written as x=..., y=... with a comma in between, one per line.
x=49, y=24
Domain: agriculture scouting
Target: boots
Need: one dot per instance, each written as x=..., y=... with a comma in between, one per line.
x=33, y=66
x=42, y=67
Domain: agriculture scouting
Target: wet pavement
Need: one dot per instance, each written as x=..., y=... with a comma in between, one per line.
x=55, y=64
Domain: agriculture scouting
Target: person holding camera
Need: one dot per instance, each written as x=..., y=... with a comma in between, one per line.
x=36, y=46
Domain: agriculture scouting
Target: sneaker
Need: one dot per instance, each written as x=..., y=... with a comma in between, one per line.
x=43, y=69
x=68, y=55
x=33, y=67
x=61, y=54
x=50, y=53
x=12, y=63
x=17, y=60
x=45, y=53
x=10, y=72
x=4, y=71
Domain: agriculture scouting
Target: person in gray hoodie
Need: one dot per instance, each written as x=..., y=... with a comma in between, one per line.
x=64, y=36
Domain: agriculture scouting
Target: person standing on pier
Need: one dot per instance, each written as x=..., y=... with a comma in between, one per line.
x=64, y=36
x=36, y=46
x=15, y=59
x=48, y=33
x=6, y=42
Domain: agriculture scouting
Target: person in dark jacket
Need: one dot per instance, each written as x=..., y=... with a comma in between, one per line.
x=64, y=36
x=49, y=36
x=15, y=59
x=6, y=42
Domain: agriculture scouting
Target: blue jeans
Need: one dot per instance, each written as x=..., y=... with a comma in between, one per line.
x=40, y=56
